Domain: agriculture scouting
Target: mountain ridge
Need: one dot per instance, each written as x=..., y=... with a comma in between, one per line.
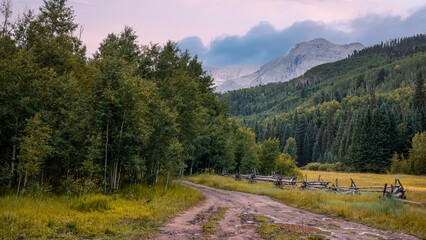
x=302, y=57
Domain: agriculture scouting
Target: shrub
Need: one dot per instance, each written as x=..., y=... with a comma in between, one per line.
x=339, y=167
x=328, y=167
x=80, y=186
x=312, y=166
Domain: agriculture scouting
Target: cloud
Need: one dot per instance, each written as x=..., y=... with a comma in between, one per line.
x=194, y=45
x=263, y=42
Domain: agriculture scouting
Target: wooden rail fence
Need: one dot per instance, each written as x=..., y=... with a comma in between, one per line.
x=395, y=190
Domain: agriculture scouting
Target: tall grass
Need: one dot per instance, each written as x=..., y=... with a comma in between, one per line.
x=136, y=213
x=366, y=208
x=90, y=203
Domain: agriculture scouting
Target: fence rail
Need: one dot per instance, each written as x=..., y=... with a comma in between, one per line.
x=395, y=190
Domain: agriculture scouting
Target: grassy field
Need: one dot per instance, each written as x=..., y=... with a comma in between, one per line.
x=135, y=214
x=414, y=185
x=366, y=208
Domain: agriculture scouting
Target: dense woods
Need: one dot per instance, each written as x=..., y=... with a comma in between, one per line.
x=354, y=114
x=130, y=114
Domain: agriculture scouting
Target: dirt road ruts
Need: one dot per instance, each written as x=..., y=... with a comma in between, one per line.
x=236, y=224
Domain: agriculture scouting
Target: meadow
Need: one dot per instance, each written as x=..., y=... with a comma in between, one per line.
x=133, y=214
x=366, y=208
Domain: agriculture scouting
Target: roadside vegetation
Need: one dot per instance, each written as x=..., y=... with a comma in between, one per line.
x=134, y=213
x=366, y=208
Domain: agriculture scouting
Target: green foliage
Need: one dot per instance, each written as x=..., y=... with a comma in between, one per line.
x=285, y=165
x=268, y=156
x=417, y=153
x=416, y=161
x=419, y=98
x=246, y=151
x=34, y=148
x=328, y=167
x=78, y=187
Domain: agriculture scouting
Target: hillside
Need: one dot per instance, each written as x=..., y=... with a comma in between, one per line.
x=345, y=112
x=301, y=58
x=357, y=75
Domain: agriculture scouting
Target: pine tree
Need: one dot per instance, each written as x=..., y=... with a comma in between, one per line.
x=307, y=157
x=419, y=99
x=300, y=137
x=315, y=153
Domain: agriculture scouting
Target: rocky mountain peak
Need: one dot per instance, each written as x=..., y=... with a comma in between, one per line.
x=302, y=57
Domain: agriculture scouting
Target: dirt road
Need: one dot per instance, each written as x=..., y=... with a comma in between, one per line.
x=245, y=212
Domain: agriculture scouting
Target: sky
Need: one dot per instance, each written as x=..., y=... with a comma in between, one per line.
x=240, y=32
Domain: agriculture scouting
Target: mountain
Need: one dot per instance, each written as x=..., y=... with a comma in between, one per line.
x=381, y=68
x=221, y=75
x=301, y=58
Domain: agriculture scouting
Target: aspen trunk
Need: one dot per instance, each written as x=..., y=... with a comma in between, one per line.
x=167, y=180
x=119, y=177
x=12, y=164
x=156, y=174
x=19, y=185
x=106, y=158
x=25, y=179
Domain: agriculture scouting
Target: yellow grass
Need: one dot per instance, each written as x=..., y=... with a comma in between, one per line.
x=366, y=208
x=414, y=185
x=134, y=215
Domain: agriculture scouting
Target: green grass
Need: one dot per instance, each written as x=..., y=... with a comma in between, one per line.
x=210, y=226
x=366, y=208
x=135, y=214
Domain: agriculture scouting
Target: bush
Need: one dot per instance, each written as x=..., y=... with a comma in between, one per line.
x=327, y=167
x=91, y=203
x=80, y=186
x=312, y=166
x=339, y=167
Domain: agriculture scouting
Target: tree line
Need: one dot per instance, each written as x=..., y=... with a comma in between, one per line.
x=130, y=114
